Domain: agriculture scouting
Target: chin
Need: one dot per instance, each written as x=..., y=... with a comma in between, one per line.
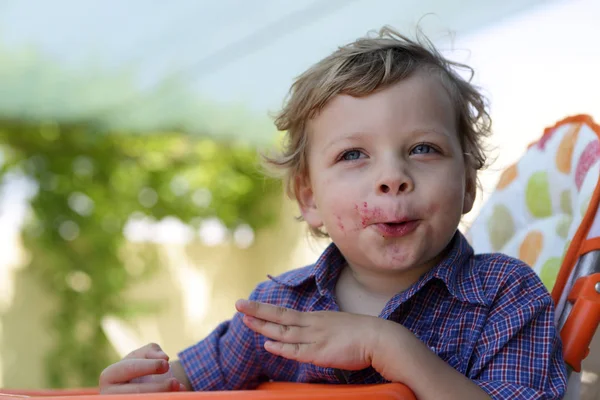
x=397, y=264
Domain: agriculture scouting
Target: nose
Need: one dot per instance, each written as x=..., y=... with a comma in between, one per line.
x=394, y=179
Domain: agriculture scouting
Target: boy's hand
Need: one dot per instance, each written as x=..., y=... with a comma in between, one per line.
x=324, y=338
x=144, y=370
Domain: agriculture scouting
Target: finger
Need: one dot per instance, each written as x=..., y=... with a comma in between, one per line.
x=151, y=350
x=268, y=312
x=169, y=385
x=128, y=369
x=293, y=351
x=278, y=332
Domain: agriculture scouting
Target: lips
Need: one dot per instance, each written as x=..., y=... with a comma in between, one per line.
x=396, y=228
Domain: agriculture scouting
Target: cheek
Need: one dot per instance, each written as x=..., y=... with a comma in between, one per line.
x=446, y=198
x=333, y=194
x=340, y=223
x=433, y=208
x=450, y=183
x=366, y=214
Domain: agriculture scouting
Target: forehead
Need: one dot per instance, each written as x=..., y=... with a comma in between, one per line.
x=418, y=102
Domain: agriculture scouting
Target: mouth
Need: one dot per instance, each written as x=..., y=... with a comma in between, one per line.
x=398, y=222
x=397, y=228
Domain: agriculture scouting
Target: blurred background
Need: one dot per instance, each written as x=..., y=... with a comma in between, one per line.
x=131, y=206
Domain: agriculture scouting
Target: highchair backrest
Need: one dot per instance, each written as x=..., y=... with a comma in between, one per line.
x=544, y=212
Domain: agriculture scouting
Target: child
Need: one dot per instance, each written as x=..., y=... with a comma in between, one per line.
x=384, y=144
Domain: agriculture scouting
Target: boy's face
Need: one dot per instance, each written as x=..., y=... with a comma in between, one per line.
x=388, y=179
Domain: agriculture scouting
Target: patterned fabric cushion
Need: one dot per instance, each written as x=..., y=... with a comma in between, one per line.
x=540, y=202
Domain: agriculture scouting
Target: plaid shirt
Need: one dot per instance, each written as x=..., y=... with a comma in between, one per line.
x=488, y=316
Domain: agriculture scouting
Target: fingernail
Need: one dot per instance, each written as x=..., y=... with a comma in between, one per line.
x=162, y=354
x=271, y=345
x=241, y=302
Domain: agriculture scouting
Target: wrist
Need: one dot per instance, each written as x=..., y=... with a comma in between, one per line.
x=389, y=346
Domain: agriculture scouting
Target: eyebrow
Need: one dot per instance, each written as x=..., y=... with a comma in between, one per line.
x=428, y=131
x=361, y=134
x=350, y=137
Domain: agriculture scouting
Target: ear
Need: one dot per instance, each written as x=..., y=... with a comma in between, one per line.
x=306, y=201
x=470, y=190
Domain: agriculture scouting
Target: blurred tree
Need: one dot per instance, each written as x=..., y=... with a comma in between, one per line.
x=89, y=185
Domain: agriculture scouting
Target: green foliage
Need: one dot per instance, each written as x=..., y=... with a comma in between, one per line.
x=89, y=185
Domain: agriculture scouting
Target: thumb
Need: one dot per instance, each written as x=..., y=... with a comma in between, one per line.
x=154, y=378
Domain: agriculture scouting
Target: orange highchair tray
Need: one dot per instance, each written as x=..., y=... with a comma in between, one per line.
x=278, y=390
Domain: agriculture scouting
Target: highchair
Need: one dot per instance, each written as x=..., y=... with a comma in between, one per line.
x=544, y=211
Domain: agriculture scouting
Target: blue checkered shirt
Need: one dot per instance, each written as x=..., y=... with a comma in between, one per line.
x=488, y=316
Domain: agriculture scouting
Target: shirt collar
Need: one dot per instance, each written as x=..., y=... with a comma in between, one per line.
x=456, y=271
x=459, y=273
x=324, y=272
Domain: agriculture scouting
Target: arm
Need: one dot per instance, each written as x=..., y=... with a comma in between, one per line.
x=526, y=360
x=226, y=359
x=354, y=342
x=180, y=375
x=518, y=354
x=411, y=362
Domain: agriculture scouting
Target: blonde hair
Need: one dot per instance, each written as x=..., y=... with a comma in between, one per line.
x=361, y=68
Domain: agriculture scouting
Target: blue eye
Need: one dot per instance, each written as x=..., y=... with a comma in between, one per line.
x=422, y=149
x=351, y=155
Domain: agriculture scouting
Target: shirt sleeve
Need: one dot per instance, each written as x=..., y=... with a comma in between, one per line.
x=519, y=354
x=225, y=360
